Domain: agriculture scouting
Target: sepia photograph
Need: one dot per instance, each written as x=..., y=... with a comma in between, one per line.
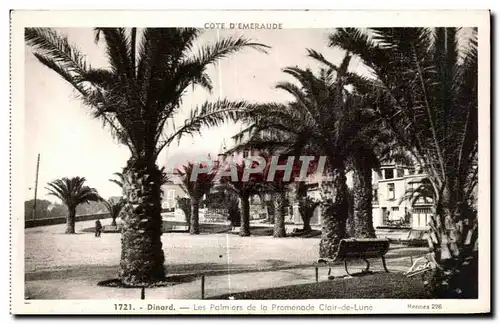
x=239, y=166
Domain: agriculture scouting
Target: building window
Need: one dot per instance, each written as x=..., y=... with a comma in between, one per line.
x=388, y=173
x=401, y=172
x=390, y=191
x=375, y=196
x=395, y=209
x=411, y=171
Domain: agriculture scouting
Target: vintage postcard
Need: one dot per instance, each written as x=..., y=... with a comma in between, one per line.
x=250, y=162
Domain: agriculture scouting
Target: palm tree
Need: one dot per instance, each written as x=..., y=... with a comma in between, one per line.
x=279, y=199
x=185, y=205
x=243, y=190
x=265, y=134
x=322, y=108
x=138, y=97
x=366, y=148
x=425, y=91
x=195, y=189
x=351, y=222
x=72, y=193
x=114, y=208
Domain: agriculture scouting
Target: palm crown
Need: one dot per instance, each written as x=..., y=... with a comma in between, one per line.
x=114, y=207
x=72, y=191
x=148, y=74
x=322, y=119
x=426, y=93
x=198, y=187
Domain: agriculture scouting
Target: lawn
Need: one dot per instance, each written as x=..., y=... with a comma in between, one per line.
x=379, y=285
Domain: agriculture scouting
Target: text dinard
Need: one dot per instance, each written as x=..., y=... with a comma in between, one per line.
x=254, y=25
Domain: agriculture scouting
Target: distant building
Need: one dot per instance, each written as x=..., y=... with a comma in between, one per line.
x=389, y=207
x=389, y=189
x=171, y=190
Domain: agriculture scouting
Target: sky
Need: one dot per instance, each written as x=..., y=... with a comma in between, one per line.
x=71, y=143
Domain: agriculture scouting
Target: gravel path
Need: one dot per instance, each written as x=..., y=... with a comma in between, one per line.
x=59, y=265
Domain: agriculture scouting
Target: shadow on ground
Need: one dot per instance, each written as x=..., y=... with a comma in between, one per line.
x=99, y=272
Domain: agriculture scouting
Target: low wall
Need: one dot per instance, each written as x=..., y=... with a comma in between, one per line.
x=62, y=220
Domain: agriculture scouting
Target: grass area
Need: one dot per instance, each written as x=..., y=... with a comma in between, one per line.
x=379, y=285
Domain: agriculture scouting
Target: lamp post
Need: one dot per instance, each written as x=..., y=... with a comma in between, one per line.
x=36, y=186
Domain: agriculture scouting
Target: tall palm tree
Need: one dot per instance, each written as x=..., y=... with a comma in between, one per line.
x=195, y=189
x=324, y=109
x=137, y=97
x=114, y=208
x=425, y=91
x=72, y=192
x=265, y=134
x=365, y=149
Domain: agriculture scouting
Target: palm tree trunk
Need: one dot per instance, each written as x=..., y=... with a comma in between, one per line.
x=350, y=222
x=142, y=258
x=454, y=241
x=303, y=207
x=334, y=209
x=234, y=215
x=185, y=205
x=245, y=216
x=70, y=221
x=279, y=214
x=270, y=212
x=306, y=219
x=194, y=228
x=363, y=196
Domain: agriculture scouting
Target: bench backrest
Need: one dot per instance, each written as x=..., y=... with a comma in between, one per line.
x=362, y=248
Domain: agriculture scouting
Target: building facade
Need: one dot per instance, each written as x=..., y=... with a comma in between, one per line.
x=389, y=206
x=171, y=191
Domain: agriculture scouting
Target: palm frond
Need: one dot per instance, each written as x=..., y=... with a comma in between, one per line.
x=72, y=191
x=57, y=48
x=210, y=114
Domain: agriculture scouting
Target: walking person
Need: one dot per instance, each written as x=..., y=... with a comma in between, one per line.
x=98, y=228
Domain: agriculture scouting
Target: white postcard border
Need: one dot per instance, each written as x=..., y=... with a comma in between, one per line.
x=289, y=19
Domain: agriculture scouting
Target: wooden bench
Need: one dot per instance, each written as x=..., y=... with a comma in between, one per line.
x=111, y=229
x=355, y=249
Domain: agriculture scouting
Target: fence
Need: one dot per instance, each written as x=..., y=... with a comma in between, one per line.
x=62, y=220
x=412, y=261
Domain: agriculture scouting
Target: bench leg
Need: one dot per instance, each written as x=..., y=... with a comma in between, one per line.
x=367, y=266
x=347, y=271
x=385, y=266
